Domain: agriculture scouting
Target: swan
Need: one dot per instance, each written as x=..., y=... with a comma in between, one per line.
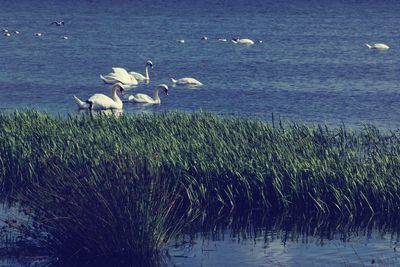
x=186, y=81
x=120, y=75
x=139, y=77
x=58, y=23
x=243, y=41
x=100, y=101
x=142, y=98
x=377, y=46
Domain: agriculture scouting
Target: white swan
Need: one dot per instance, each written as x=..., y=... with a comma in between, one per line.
x=186, y=81
x=120, y=75
x=142, y=98
x=243, y=41
x=377, y=46
x=139, y=77
x=100, y=101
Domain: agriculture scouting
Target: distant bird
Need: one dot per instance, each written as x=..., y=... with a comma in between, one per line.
x=16, y=32
x=142, y=98
x=377, y=46
x=143, y=78
x=7, y=34
x=222, y=39
x=101, y=101
x=244, y=41
x=120, y=75
x=38, y=34
x=5, y=30
x=186, y=81
x=205, y=38
x=64, y=37
x=181, y=41
x=58, y=23
x=260, y=41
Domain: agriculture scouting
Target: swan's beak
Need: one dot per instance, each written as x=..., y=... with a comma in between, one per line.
x=166, y=91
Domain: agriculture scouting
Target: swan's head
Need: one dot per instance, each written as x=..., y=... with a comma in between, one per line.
x=149, y=63
x=120, y=87
x=164, y=87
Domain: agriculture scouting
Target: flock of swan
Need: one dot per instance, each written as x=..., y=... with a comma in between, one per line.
x=121, y=80
x=241, y=41
x=7, y=32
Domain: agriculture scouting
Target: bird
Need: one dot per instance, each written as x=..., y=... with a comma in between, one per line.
x=7, y=34
x=377, y=46
x=143, y=78
x=16, y=32
x=5, y=30
x=181, y=41
x=243, y=41
x=64, y=37
x=58, y=23
x=186, y=81
x=143, y=98
x=101, y=101
x=222, y=39
x=205, y=38
x=38, y=34
x=120, y=75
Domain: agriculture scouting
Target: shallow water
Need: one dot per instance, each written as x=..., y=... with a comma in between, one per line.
x=312, y=65
x=279, y=248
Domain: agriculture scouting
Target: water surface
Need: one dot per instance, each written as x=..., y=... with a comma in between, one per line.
x=312, y=64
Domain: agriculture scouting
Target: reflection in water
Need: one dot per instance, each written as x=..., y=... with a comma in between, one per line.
x=287, y=240
x=266, y=240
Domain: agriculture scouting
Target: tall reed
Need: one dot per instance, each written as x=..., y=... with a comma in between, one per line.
x=221, y=162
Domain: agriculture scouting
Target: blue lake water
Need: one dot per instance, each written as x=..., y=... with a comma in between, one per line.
x=312, y=66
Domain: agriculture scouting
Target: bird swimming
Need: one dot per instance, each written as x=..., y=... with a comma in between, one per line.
x=377, y=46
x=101, y=101
x=142, y=98
x=243, y=41
x=58, y=23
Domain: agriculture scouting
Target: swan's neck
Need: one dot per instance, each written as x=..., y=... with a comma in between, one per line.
x=114, y=95
x=146, y=73
x=156, y=97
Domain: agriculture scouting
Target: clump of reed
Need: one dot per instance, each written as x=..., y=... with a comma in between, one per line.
x=115, y=209
x=212, y=162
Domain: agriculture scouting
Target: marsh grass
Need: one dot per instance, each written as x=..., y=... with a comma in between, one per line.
x=220, y=161
x=128, y=183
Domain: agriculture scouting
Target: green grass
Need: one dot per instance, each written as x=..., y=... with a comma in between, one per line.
x=70, y=172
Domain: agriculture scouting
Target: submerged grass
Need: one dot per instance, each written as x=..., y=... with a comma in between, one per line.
x=71, y=173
